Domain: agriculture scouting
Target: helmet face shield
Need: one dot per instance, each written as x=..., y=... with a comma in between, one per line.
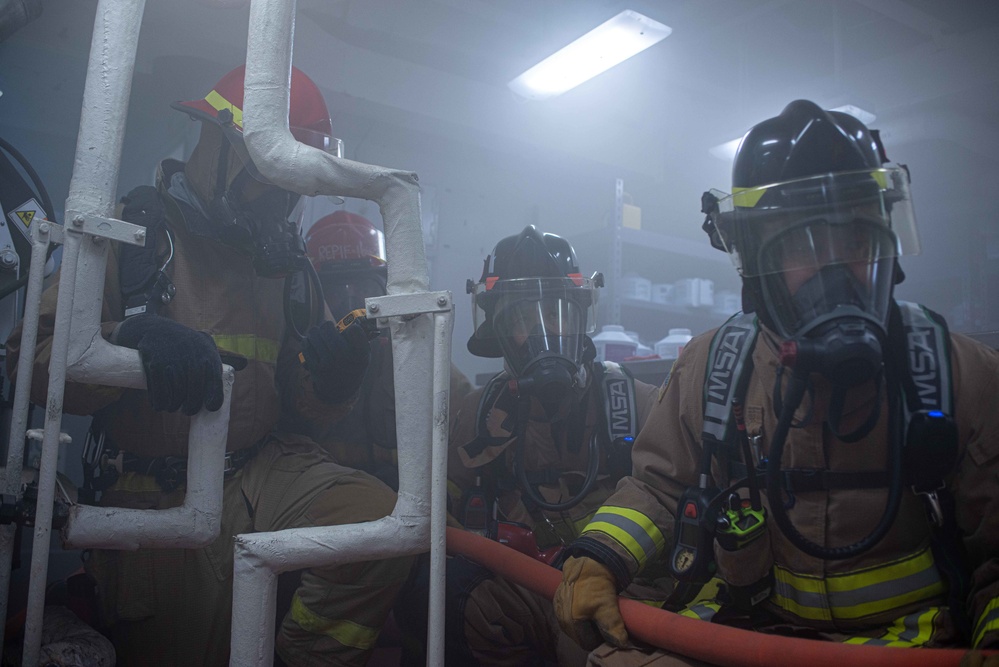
x=751, y=218
x=528, y=330
x=346, y=290
x=535, y=317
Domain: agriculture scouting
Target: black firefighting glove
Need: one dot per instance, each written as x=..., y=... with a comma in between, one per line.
x=336, y=361
x=143, y=206
x=183, y=368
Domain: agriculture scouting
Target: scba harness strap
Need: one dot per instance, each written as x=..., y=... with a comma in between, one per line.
x=617, y=394
x=615, y=434
x=931, y=435
x=920, y=341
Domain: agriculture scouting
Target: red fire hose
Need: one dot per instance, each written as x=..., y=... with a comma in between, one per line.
x=715, y=644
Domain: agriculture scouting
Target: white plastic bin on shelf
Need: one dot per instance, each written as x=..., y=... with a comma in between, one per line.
x=663, y=293
x=694, y=292
x=643, y=350
x=613, y=344
x=670, y=346
x=633, y=286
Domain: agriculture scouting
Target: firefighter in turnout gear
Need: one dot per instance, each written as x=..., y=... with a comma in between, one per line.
x=538, y=449
x=348, y=252
x=823, y=465
x=209, y=288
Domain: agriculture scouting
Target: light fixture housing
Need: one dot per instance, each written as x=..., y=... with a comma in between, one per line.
x=610, y=43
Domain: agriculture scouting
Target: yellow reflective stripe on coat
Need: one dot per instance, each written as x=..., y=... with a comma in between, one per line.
x=906, y=632
x=634, y=531
x=250, y=346
x=347, y=633
x=988, y=622
x=706, y=603
x=859, y=594
x=579, y=525
x=218, y=103
x=704, y=611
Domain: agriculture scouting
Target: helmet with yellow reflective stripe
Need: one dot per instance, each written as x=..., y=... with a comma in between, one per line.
x=308, y=116
x=810, y=189
x=243, y=209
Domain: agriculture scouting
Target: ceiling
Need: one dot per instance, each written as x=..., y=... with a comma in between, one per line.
x=422, y=85
x=439, y=67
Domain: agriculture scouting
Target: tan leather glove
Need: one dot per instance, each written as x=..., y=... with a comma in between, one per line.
x=588, y=592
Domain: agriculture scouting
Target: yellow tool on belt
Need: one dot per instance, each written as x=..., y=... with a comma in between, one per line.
x=358, y=315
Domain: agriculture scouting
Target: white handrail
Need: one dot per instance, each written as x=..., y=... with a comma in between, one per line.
x=421, y=325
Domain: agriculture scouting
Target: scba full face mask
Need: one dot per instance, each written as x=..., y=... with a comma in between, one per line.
x=824, y=262
x=262, y=221
x=542, y=338
x=533, y=308
x=252, y=214
x=349, y=254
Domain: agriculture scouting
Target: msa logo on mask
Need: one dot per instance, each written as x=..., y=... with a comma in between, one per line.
x=922, y=343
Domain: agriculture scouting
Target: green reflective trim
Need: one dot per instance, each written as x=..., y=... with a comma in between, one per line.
x=988, y=622
x=249, y=346
x=634, y=531
x=218, y=103
x=747, y=197
x=579, y=525
x=347, y=633
x=702, y=610
x=455, y=492
x=906, y=632
x=859, y=594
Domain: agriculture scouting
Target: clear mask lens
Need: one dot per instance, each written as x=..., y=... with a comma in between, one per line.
x=816, y=271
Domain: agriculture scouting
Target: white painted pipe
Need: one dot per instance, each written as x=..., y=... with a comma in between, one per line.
x=194, y=524
x=78, y=350
x=92, y=189
x=309, y=171
x=443, y=327
x=91, y=359
x=421, y=349
x=22, y=396
x=420, y=343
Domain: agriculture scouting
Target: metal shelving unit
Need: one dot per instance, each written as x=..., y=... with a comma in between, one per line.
x=617, y=248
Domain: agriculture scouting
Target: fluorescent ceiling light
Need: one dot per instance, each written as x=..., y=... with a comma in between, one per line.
x=865, y=117
x=597, y=51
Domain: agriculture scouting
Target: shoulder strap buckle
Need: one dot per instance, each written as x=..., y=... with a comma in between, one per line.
x=933, y=506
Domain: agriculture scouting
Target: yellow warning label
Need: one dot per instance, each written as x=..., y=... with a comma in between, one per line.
x=22, y=216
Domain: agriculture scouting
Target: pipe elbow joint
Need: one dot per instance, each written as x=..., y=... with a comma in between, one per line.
x=205, y=527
